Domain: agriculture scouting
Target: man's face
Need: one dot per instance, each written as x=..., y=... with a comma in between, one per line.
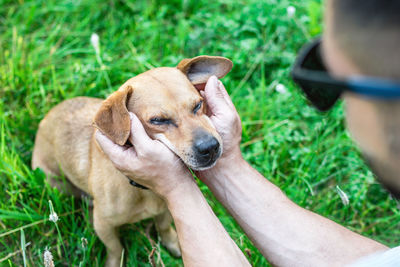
x=374, y=124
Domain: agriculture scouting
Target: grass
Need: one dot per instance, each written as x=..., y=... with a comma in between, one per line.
x=46, y=57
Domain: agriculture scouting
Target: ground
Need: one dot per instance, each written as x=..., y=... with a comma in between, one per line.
x=46, y=56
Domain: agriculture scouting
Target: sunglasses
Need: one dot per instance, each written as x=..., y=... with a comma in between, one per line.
x=323, y=90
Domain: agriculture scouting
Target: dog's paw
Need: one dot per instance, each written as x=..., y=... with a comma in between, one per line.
x=173, y=248
x=113, y=261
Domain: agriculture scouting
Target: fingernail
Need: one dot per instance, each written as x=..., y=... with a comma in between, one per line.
x=99, y=135
x=132, y=116
x=213, y=80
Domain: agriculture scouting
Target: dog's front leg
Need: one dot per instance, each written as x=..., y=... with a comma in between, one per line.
x=168, y=235
x=108, y=233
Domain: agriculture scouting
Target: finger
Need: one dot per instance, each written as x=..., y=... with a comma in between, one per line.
x=138, y=137
x=214, y=97
x=227, y=98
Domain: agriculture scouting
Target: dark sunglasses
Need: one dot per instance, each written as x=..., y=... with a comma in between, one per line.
x=322, y=90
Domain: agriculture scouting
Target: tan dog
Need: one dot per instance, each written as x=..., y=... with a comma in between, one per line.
x=171, y=110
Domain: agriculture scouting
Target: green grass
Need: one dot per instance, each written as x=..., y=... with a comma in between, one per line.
x=46, y=57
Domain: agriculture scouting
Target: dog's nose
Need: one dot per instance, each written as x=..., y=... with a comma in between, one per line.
x=207, y=146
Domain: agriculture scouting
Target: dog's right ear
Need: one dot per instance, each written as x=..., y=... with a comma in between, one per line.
x=113, y=119
x=199, y=69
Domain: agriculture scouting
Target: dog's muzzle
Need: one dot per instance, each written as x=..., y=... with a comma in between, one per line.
x=206, y=150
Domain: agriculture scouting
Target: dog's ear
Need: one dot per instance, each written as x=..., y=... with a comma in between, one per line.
x=113, y=119
x=199, y=69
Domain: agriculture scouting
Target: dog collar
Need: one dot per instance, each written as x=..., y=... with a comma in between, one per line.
x=132, y=182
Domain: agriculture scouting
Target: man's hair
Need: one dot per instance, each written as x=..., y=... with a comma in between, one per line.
x=368, y=32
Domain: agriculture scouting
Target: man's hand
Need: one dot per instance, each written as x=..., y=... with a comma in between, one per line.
x=226, y=120
x=202, y=238
x=224, y=116
x=148, y=162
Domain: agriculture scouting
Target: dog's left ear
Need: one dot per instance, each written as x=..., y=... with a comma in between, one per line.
x=199, y=69
x=113, y=119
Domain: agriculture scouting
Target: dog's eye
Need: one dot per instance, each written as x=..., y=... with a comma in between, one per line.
x=197, y=107
x=160, y=121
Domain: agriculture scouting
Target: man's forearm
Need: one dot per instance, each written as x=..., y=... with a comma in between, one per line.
x=285, y=233
x=203, y=239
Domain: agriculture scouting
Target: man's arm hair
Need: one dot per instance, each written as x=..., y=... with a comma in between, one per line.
x=286, y=234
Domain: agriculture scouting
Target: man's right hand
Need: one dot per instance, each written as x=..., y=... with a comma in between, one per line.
x=224, y=116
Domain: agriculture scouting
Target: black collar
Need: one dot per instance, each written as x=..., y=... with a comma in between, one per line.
x=132, y=182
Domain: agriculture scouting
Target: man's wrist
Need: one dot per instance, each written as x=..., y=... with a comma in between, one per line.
x=175, y=192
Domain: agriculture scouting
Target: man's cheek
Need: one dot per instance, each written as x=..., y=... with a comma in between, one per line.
x=363, y=124
x=386, y=175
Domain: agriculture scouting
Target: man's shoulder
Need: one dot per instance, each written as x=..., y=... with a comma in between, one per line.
x=388, y=258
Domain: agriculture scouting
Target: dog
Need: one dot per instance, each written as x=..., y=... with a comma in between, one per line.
x=171, y=110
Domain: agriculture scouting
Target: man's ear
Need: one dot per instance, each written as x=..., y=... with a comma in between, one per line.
x=113, y=119
x=199, y=69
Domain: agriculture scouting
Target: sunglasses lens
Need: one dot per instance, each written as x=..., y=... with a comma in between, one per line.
x=322, y=97
x=321, y=93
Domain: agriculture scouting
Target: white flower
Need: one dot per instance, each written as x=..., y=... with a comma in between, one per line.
x=53, y=215
x=291, y=10
x=48, y=258
x=280, y=88
x=84, y=242
x=343, y=196
x=95, y=40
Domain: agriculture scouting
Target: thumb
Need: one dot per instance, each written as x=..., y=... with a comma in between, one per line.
x=138, y=135
x=113, y=150
x=214, y=97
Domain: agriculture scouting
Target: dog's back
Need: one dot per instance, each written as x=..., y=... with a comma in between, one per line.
x=69, y=127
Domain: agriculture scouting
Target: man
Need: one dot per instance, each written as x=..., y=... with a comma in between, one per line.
x=361, y=38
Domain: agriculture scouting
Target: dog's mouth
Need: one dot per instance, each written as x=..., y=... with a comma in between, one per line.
x=204, y=162
x=206, y=149
x=203, y=154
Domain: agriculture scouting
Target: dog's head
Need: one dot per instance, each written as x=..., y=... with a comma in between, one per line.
x=170, y=108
